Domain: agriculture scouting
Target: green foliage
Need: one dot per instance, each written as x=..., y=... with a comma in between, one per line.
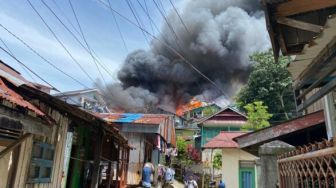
x=181, y=148
x=217, y=161
x=182, y=155
x=209, y=111
x=271, y=83
x=257, y=116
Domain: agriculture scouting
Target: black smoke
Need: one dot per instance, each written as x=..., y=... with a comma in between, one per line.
x=220, y=36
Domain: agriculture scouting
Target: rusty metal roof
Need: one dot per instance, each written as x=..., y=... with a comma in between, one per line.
x=163, y=121
x=13, y=76
x=281, y=131
x=152, y=119
x=13, y=97
x=224, y=140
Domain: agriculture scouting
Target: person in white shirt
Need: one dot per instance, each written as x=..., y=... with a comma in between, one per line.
x=190, y=183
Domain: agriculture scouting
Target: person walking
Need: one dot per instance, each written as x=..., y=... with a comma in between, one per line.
x=190, y=183
x=169, y=177
x=147, y=171
x=221, y=184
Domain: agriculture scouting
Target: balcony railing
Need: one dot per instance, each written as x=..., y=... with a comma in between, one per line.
x=311, y=166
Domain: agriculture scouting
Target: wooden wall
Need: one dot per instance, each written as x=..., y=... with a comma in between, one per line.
x=136, y=158
x=58, y=139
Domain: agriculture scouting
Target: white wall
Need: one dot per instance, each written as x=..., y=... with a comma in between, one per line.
x=230, y=165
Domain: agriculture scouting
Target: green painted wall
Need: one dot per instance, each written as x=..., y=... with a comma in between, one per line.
x=208, y=133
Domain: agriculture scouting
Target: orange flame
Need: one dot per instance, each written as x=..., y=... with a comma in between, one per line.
x=182, y=108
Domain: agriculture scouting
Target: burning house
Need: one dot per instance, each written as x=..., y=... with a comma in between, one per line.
x=45, y=142
x=218, y=42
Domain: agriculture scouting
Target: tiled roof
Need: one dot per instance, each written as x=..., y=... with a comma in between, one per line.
x=224, y=140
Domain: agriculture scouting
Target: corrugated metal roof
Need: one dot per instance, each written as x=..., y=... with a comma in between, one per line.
x=13, y=76
x=134, y=118
x=13, y=97
x=224, y=140
x=164, y=122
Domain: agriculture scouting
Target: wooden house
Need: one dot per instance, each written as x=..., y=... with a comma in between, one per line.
x=306, y=31
x=148, y=134
x=45, y=142
x=227, y=119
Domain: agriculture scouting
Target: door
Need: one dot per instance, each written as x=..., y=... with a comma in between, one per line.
x=246, y=178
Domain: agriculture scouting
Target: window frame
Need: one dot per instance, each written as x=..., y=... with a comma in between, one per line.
x=41, y=162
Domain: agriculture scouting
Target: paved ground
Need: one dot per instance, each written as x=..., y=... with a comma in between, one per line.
x=177, y=184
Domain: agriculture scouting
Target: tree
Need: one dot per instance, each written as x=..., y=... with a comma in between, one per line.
x=217, y=161
x=182, y=152
x=209, y=111
x=257, y=116
x=271, y=83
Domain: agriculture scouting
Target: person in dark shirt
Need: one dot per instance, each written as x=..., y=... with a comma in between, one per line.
x=221, y=184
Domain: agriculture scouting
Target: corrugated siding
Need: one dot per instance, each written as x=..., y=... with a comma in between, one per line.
x=136, y=159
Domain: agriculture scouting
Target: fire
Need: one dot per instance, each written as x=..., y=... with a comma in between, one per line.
x=181, y=108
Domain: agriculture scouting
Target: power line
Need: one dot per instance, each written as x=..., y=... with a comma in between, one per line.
x=27, y=72
x=168, y=47
x=82, y=33
x=21, y=63
x=59, y=41
x=64, y=15
x=116, y=23
x=178, y=14
x=81, y=44
x=151, y=21
x=146, y=11
x=136, y=19
x=169, y=26
x=39, y=55
x=7, y=52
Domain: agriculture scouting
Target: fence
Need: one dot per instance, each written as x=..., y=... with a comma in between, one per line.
x=312, y=166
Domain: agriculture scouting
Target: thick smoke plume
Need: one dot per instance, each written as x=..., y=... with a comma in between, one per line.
x=219, y=38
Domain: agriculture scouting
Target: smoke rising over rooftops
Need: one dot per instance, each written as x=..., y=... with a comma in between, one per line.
x=219, y=38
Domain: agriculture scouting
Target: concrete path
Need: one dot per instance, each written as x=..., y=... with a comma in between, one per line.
x=178, y=184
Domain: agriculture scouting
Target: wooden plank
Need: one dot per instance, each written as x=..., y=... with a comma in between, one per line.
x=26, y=163
x=30, y=124
x=272, y=133
x=300, y=24
x=318, y=95
x=62, y=143
x=20, y=163
x=301, y=6
x=15, y=144
x=96, y=163
x=320, y=79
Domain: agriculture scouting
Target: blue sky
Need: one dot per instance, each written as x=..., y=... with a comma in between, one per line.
x=99, y=29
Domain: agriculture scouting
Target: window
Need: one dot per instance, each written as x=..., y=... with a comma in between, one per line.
x=41, y=163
